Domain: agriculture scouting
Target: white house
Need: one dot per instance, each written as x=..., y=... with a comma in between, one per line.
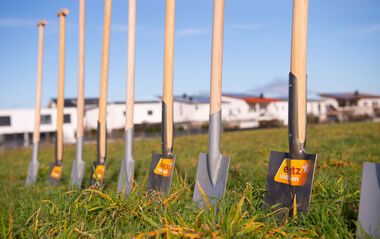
x=21, y=121
x=145, y=112
x=340, y=106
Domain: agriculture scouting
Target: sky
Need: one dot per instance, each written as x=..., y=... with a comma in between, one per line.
x=343, y=48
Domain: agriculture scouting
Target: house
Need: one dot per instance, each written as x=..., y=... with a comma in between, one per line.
x=351, y=106
x=18, y=124
x=256, y=110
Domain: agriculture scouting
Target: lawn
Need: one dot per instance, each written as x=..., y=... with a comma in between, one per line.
x=62, y=212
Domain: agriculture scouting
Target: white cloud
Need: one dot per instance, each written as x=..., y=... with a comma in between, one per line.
x=192, y=32
x=371, y=28
x=119, y=27
x=17, y=22
x=246, y=26
x=276, y=87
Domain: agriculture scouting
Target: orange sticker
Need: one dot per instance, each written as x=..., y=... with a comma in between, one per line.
x=164, y=167
x=293, y=172
x=56, y=172
x=99, y=172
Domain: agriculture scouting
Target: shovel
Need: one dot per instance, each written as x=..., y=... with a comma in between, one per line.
x=128, y=164
x=97, y=173
x=78, y=164
x=212, y=172
x=369, y=206
x=33, y=166
x=56, y=166
x=162, y=165
x=290, y=175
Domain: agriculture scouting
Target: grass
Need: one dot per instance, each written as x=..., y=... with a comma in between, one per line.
x=41, y=211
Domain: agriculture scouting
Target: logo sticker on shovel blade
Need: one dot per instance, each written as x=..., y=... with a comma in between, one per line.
x=164, y=167
x=99, y=171
x=56, y=172
x=293, y=172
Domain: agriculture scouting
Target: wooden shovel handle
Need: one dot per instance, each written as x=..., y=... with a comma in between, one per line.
x=61, y=81
x=80, y=100
x=298, y=60
x=104, y=78
x=130, y=98
x=217, y=57
x=37, y=114
x=168, y=70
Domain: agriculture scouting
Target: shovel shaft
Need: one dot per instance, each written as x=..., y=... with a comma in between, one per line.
x=79, y=152
x=217, y=57
x=167, y=100
x=130, y=98
x=214, y=156
x=297, y=78
x=128, y=137
x=37, y=116
x=61, y=77
x=104, y=80
x=80, y=102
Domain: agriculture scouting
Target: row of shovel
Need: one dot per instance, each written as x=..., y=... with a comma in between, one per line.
x=290, y=175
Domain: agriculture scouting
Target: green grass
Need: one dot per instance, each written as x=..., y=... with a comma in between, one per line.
x=41, y=211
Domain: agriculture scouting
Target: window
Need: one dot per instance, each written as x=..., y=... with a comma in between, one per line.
x=45, y=119
x=66, y=118
x=150, y=112
x=5, y=121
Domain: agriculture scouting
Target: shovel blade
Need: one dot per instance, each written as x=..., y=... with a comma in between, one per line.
x=97, y=174
x=204, y=188
x=54, y=174
x=160, y=173
x=126, y=176
x=32, y=173
x=77, y=171
x=287, y=177
x=369, y=216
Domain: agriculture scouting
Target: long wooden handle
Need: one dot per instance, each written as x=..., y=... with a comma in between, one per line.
x=298, y=60
x=168, y=71
x=80, y=100
x=217, y=57
x=130, y=98
x=104, y=78
x=61, y=84
x=37, y=114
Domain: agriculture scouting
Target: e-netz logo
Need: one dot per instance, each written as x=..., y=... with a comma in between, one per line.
x=293, y=172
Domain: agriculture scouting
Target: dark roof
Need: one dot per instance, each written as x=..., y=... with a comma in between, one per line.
x=191, y=99
x=348, y=95
x=72, y=102
x=253, y=99
x=136, y=102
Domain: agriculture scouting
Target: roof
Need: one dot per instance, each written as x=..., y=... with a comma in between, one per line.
x=136, y=102
x=193, y=99
x=254, y=99
x=348, y=95
x=72, y=102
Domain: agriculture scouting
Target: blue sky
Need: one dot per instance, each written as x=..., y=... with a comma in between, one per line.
x=343, y=48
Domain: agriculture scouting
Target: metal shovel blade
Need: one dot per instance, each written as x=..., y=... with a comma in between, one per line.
x=160, y=173
x=77, y=169
x=369, y=206
x=286, y=178
x=97, y=174
x=203, y=184
x=126, y=176
x=54, y=173
x=77, y=173
x=32, y=173
x=33, y=166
